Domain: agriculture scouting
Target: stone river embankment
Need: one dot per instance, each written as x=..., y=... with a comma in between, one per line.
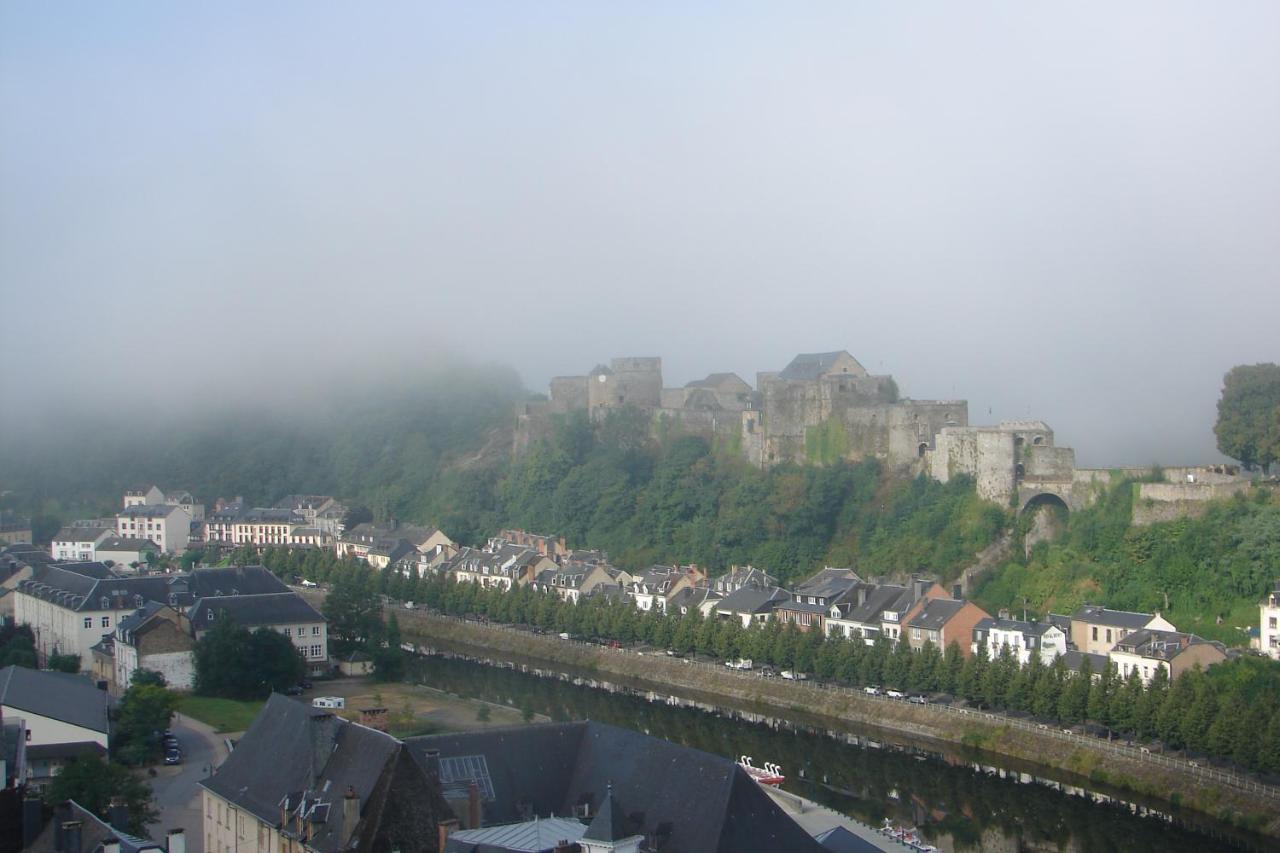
x=1184, y=784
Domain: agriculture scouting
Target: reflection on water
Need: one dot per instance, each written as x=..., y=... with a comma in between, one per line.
x=960, y=799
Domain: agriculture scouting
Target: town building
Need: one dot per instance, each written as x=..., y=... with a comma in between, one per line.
x=65, y=716
x=618, y=783
x=1025, y=639
x=304, y=779
x=154, y=496
x=167, y=525
x=383, y=539
x=751, y=605
x=14, y=529
x=76, y=829
x=157, y=638
x=943, y=621
x=1269, y=624
x=1146, y=650
x=1096, y=629
x=861, y=612
x=741, y=576
x=235, y=524
x=653, y=588
x=285, y=612
x=125, y=553
x=807, y=605
x=79, y=542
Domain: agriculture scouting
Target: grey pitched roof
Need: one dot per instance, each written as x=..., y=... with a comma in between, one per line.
x=292, y=749
x=1032, y=629
x=840, y=840
x=935, y=613
x=879, y=599
x=251, y=611
x=701, y=802
x=75, y=533
x=1097, y=615
x=719, y=381
x=828, y=583
x=751, y=600
x=1162, y=645
x=150, y=510
x=61, y=696
x=91, y=569
x=1074, y=660
x=121, y=543
x=534, y=836
x=93, y=831
x=809, y=365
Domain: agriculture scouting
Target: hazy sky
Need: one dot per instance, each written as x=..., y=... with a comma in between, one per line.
x=1070, y=211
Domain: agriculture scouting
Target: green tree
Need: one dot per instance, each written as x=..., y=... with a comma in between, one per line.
x=144, y=709
x=234, y=663
x=93, y=783
x=147, y=676
x=64, y=663
x=1248, y=426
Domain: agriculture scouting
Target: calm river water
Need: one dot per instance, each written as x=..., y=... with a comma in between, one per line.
x=958, y=798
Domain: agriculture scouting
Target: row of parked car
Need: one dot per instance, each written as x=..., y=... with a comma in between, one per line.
x=913, y=698
x=172, y=748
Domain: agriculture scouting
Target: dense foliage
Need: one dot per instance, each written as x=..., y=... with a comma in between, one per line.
x=236, y=663
x=17, y=646
x=93, y=783
x=680, y=499
x=1213, y=569
x=1231, y=711
x=1248, y=426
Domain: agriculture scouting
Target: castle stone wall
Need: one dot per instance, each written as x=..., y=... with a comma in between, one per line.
x=1049, y=463
x=568, y=394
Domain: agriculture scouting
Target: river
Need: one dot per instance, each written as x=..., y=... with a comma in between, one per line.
x=960, y=799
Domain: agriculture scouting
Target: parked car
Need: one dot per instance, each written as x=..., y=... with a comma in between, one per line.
x=170, y=742
x=917, y=699
x=173, y=756
x=295, y=690
x=896, y=694
x=872, y=689
x=767, y=671
x=792, y=675
x=740, y=663
x=674, y=654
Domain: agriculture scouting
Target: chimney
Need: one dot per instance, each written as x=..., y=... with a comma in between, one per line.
x=445, y=829
x=1004, y=613
x=118, y=814
x=350, y=812
x=564, y=846
x=957, y=591
x=32, y=820
x=176, y=841
x=433, y=762
x=473, y=806
x=111, y=844
x=71, y=836
x=862, y=595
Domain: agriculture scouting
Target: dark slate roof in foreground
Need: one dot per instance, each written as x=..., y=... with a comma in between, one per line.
x=701, y=802
x=840, y=840
x=751, y=600
x=293, y=748
x=534, y=836
x=61, y=696
x=93, y=831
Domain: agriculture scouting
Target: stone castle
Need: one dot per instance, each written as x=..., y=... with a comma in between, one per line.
x=824, y=407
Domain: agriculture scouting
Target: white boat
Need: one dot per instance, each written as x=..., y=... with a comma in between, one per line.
x=770, y=774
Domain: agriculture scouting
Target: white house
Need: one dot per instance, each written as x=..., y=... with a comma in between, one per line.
x=1024, y=639
x=79, y=542
x=1269, y=635
x=65, y=715
x=169, y=526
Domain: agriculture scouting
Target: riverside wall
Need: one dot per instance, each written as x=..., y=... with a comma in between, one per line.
x=1217, y=793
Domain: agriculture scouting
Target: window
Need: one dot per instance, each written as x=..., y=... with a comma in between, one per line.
x=288, y=632
x=209, y=615
x=316, y=652
x=1095, y=633
x=315, y=630
x=1271, y=623
x=1108, y=635
x=88, y=621
x=106, y=621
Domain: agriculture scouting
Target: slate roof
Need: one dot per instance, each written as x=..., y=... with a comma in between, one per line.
x=1161, y=645
x=828, y=583
x=292, y=749
x=935, y=613
x=119, y=543
x=150, y=510
x=700, y=802
x=1032, y=629
x=879, y=599
x=609, y=824
x=533, y=836
x=91, y=569
x=93, y=831
x=810, y=365
x=1074, y=659
x=720, y=382
x=1095, y=615
x=250, y=611
x=74, y=533
x=752, y=600
x=61, y=696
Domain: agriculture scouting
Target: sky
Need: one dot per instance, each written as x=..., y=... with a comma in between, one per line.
x=1065, y=211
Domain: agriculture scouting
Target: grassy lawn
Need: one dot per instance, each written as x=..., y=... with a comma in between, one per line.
x=225, y=715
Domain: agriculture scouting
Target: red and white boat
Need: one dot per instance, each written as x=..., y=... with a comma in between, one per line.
x=770, y=774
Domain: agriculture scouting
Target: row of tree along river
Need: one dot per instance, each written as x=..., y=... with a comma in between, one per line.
x=956, y=796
